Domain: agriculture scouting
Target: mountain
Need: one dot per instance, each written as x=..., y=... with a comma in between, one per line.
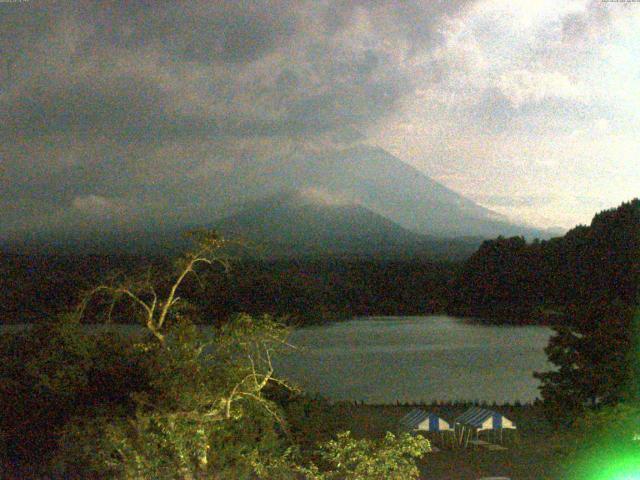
x=386, y=185
x=361, y=197
x=363, y=175
x=311, y=221
x=293, y=223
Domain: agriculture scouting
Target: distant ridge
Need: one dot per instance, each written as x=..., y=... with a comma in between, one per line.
x=386, y=185
x=292, y=223
x=298, y=222
x=345, y=201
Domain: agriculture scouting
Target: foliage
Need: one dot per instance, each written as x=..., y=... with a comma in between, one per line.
x=390, y=458
x=526, y=283
x=347, y=458
x=202, y=412
x=595, y=360
x=496, y=276
x=304, y=290
x=175, y=403
x=618, y=423
x=50, y=373
x=157, y=307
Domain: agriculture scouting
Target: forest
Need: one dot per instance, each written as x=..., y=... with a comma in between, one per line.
x=305, y=291
x=511, y=281
x=507, y=280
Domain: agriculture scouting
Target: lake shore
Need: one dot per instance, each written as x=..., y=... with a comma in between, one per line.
x=534, y=455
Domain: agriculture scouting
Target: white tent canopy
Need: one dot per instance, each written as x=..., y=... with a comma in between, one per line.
x=426, y=422
x=483, y=419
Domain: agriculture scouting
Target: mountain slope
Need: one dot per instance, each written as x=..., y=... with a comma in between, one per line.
x=292, y=223
x=299, y=223
x=365, y=175
x=381, y=200
x=386, y=185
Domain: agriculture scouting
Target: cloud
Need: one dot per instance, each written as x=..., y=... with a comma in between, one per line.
x=133, y=99
x=524, y=86
x=96, y=205
x=591, y=21
x=203, y=68
x=493, y=201
x=323, y=196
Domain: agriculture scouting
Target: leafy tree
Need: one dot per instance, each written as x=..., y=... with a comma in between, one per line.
x=347, y=458
x=390, y=458
x=202, y=415
x=51, y=373
x=594, y=359
x=203, y=411
x=154, y=307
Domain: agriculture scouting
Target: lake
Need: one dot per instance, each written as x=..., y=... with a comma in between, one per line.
x=414, y=359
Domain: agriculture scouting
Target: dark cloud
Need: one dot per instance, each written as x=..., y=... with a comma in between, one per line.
x=122, y=107
x=227, y=31
x=116, y=102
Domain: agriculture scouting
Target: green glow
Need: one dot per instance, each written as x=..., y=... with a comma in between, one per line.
x=628, y=470
x=616, y=454
x=611, y=467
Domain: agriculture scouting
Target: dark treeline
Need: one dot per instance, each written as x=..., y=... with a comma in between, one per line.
x=36, y=288
x=318, y=290
x=508, y=279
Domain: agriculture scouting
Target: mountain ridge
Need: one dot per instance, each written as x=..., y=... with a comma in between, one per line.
x=355, y=185
x=294, y=223
x=398, y=191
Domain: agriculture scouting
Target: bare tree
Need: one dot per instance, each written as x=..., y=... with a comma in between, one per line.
x=141, y=291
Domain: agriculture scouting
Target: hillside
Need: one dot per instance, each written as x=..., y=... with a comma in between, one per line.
x=296, y=223
x=356, y=200
x=388, y=186
x=510, y=279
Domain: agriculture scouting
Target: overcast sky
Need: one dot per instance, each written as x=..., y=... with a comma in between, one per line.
x=125, y=109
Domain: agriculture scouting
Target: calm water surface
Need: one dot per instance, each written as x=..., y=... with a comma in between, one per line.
x=412, y=359
x=388, y=359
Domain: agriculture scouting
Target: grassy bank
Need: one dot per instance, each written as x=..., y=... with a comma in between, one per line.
x=536, y=454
